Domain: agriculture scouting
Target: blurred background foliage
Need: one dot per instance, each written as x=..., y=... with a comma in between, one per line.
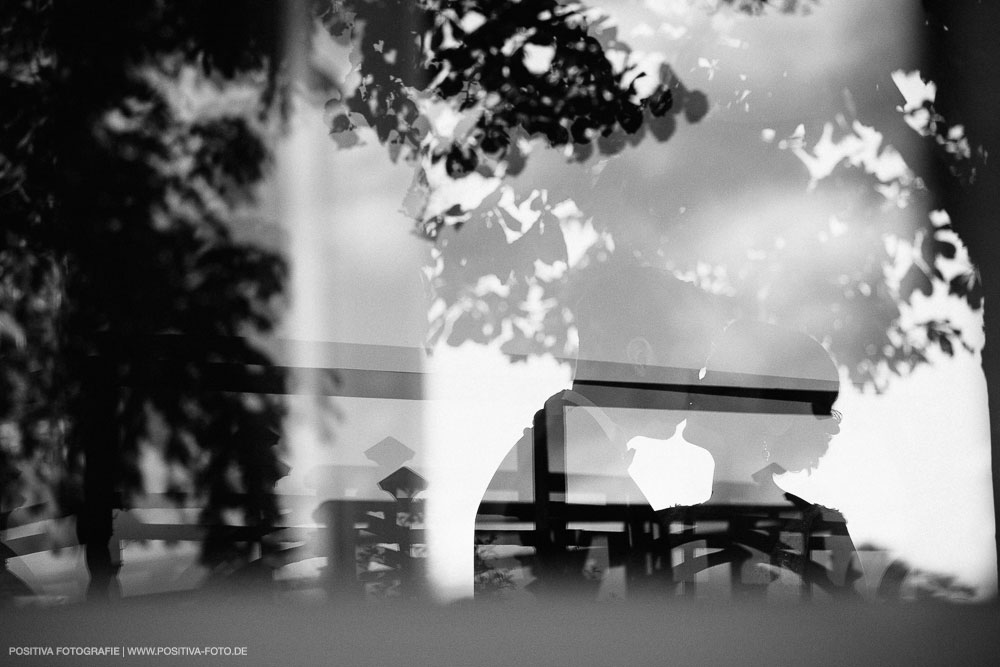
x=134, y=135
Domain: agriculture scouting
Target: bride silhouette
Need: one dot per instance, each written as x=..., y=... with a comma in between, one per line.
x=764, y=407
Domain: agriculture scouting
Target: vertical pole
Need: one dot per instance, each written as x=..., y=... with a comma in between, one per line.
x=549, y=433
x=98, y=431
x=407, y=579
x=340, y=578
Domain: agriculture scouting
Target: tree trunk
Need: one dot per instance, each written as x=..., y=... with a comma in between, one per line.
x=98, y=434
x=991, y=369
x=962, y=53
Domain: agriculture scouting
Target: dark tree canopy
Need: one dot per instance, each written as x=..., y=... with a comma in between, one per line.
x=118, y=198
x=531, y=69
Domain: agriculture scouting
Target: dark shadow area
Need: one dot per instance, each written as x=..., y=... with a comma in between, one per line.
x=570, y=634
x=129, y=297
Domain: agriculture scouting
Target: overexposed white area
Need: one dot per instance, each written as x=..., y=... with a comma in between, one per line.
x=910, y=468
x=355, y=278
x=478, y=406
x=671, y=472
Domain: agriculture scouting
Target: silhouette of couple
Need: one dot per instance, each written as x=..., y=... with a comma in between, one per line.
x=658, y=473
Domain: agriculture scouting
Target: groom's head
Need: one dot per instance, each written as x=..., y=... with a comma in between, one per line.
x=643, y=324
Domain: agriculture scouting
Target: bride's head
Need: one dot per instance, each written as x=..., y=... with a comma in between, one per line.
x=766, y=397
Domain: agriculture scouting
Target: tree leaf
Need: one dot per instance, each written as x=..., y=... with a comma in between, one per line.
x=915, y=280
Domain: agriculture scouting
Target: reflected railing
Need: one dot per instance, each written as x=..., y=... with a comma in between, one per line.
x=350, y=548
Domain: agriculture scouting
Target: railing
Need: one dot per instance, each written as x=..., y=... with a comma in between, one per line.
x=344, y=532
x=667, y=553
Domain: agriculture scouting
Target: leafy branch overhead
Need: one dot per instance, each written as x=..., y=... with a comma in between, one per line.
x=466, y=90
x=511, y=69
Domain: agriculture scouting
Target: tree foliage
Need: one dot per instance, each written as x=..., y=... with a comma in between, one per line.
x=512, y=69
x=119, y=194
x=502, y=267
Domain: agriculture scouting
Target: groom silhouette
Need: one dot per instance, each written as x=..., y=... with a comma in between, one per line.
x=644, y=336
